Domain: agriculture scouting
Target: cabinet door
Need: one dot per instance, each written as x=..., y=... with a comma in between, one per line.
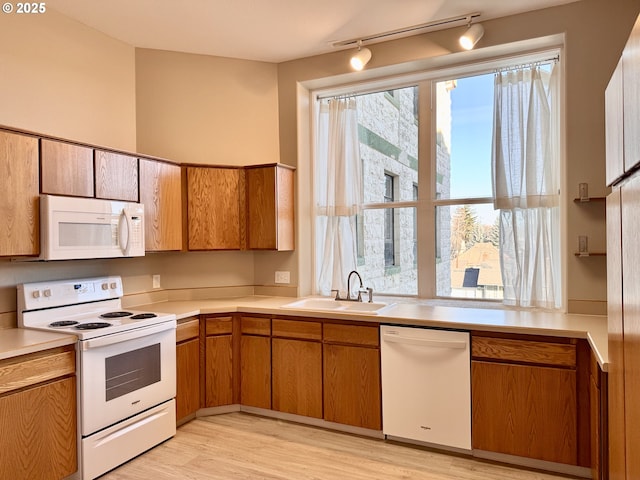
x=188, y=378
x=38, y=428
x=19, y=199
x=631, y=87
x=297, y=377
x=160, y=193
x=614, y=126
x=66, y=169
x=270, y=213
x=352, y=386
x=116, y=176
x=219, y=371
x=630, y=206
x=525, y=411
x=255, y=371
x=213, y=208
x=617, y=462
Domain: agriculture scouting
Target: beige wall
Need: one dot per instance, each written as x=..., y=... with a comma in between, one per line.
x=206, y=110
x=62, y=78
x=595, y=35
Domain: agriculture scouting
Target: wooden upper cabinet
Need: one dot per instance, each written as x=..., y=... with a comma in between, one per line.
x=66, y=169
x=116, y=176
x=19, y=199
x=270, y=207
x=214, y=208
x=631, y=88
x=614, y=107
x=160, y=193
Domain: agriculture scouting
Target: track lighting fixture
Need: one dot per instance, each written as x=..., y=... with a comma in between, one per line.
x=473, y=34
x=361, y=57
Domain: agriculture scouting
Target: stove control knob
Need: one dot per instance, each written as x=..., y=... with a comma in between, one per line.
x=113, y=285
x=47, y=293
x=35, y=294
x=105, y=286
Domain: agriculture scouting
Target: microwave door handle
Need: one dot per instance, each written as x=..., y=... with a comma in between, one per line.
x=125, y=240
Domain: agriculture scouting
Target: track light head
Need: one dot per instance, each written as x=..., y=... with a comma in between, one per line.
x=361, y=57
x=473, y=34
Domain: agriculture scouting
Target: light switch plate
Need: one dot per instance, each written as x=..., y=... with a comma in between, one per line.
x=283, y=277
x=156, y=281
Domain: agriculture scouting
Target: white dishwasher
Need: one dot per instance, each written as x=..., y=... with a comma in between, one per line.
x=426, y=385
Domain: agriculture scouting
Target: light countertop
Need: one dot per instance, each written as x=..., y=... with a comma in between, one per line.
x=590, y=327
x=15, y=341
x=18, y=341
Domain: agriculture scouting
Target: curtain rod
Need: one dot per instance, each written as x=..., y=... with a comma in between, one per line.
x=523, y=65
x=413, y=30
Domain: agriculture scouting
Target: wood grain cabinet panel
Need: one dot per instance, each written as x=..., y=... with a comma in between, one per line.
x=116, y=176
x=214, y=208
x=297, y=377
x=188, y=379
x=631, y=89
x=161, y=195
x=352, y=386
x=270, y=207
x=296, y=329
x=39, y=431
x=524, y=351
x=19, y=207
x=66, y=169
x=614, y=125
x=219, y=371
x=525, y=411
x=255, y=371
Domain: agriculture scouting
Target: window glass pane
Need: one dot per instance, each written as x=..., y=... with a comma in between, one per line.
x=468, y=265
x=400, y=275
x=464, y=122
x=388, y=134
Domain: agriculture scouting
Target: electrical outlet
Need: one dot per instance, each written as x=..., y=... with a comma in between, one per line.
x=283, y=277
x=156, y=281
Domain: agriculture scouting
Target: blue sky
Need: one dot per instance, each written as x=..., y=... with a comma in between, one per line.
x=472, y=117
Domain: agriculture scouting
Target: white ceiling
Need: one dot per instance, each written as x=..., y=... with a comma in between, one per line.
x=269, y=30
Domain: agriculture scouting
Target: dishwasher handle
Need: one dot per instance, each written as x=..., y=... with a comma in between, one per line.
x=424, y=342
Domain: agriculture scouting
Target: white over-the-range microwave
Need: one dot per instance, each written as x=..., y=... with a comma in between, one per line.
x=77, y=228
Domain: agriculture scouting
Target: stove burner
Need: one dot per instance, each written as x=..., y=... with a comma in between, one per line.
x=115, y=314
x=92, y=325
x=142, y=316
x=63, y=323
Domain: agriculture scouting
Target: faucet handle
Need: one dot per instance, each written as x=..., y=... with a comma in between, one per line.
x=337, y=294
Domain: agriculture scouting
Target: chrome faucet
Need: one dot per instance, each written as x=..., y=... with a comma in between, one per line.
x=361, y=290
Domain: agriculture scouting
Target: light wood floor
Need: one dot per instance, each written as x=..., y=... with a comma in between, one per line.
x=243, y=446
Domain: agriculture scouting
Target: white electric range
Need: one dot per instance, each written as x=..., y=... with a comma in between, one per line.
x=126, y=367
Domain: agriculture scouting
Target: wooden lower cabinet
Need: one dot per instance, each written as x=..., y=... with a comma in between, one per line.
x=38, y=422
x=255, y=362
x=297, y=377
x=352, y=386
x=530, y=397
x=188, y=379
x=220, y=362
x=526, y=411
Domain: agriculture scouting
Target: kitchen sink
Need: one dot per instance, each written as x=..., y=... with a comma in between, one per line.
x=325, y=304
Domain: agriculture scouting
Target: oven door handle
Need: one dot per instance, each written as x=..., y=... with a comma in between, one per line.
x=125, y=336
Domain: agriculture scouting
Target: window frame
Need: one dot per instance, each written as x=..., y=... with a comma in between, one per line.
x=427, y=200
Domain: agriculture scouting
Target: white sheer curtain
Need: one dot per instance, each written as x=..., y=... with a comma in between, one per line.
x=338, y=193
x=526, y=183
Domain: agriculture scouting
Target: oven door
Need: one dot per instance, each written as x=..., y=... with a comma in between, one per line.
x=126, y=373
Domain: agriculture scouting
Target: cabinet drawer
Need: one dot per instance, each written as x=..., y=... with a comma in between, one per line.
x=351, y=334
x=255, y=326
x=524, y=351
x=296, y=329
x=219, y=326
x=35, y=368
x=187, y=329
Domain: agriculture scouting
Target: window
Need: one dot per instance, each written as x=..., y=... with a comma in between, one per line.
x=445, y=243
